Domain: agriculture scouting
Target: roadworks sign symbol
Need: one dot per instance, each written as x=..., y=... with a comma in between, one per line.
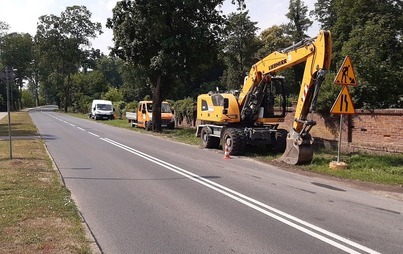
x=343, y=103
x=346, y=74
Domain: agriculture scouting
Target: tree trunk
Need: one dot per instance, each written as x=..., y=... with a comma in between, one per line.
x=35, y=83
x=36, y=94
x=67, y=93
x=157, y=101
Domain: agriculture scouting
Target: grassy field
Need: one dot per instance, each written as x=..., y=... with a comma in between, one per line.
x=36, y=212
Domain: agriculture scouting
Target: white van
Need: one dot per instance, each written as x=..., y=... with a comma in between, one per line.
x=101, y=109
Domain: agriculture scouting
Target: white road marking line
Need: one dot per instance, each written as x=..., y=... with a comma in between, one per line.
x=274, y=213
x=93, y=134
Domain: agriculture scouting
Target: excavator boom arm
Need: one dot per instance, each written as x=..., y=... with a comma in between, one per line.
x=316, y=52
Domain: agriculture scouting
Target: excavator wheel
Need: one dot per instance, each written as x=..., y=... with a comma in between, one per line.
x=208, y=141
x=235, y=140
x=297, y=154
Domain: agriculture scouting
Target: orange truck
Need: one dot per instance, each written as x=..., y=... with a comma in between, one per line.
x=143, y=116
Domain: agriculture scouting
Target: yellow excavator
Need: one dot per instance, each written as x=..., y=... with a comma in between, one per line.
x=252, y=115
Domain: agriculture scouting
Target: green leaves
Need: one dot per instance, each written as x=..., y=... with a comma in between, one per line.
x=299, y=21
x=240, y=45
x=370, y=32
x=60, y=41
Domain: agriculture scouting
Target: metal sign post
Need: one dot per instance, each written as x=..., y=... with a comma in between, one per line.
x=6, y=75
x=339, y=144
x=344, y=103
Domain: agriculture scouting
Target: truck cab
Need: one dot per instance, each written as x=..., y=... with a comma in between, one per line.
x=143, y=116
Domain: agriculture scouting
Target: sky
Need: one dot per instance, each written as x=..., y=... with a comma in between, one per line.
x=22, y=15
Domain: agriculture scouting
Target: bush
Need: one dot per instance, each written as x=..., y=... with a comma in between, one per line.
x=82, y=104
x=131, y=106
x=119, y=108
x=184, y=109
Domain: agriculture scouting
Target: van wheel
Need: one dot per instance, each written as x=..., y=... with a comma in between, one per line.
x=171, y=125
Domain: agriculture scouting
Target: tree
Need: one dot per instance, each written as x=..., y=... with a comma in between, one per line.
x=3, y=28
x=370, y=32
x=299, y=21
x=111, y=67
x=60, y=42
x=240, y=45
x=16, y=52
x=168, y=40
x=296, y=29
x=377, y=54
x=273, y=38
x=325, y=13
x=113, y=95
x=87, y=86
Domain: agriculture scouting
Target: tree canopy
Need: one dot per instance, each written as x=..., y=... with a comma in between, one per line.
x=370, y=32
x=60, y=41
x=240, y=46
x=175, y=49
x=169, y=40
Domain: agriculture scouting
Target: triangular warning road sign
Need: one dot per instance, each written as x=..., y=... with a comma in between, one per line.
x=344, y=103
x=346, y=74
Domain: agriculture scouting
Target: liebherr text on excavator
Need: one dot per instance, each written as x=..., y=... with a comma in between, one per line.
x=252, y=116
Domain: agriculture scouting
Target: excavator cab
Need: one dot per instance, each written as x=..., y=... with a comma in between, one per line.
x=274, y=101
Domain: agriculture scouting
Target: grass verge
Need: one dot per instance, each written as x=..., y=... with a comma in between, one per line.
x=36, y=212
x=382, y=169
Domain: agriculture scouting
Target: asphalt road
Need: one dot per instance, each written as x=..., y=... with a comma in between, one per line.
x=144, y=194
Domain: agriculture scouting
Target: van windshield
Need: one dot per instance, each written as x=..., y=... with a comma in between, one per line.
x=165, y=108
x=106, y=107
x=150, y=107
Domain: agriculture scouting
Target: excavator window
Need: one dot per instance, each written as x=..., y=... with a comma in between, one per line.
x=218, y=99
x=274, y=102
x=204, y=106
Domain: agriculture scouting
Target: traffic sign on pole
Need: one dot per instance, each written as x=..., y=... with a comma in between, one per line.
x=346, y=74
x=344, y=103
x=7, y=75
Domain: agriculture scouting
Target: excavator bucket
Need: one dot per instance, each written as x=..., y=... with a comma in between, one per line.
x=295, y=153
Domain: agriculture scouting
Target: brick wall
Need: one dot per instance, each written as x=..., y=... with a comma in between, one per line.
x=373, y=131
x=379, y=131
